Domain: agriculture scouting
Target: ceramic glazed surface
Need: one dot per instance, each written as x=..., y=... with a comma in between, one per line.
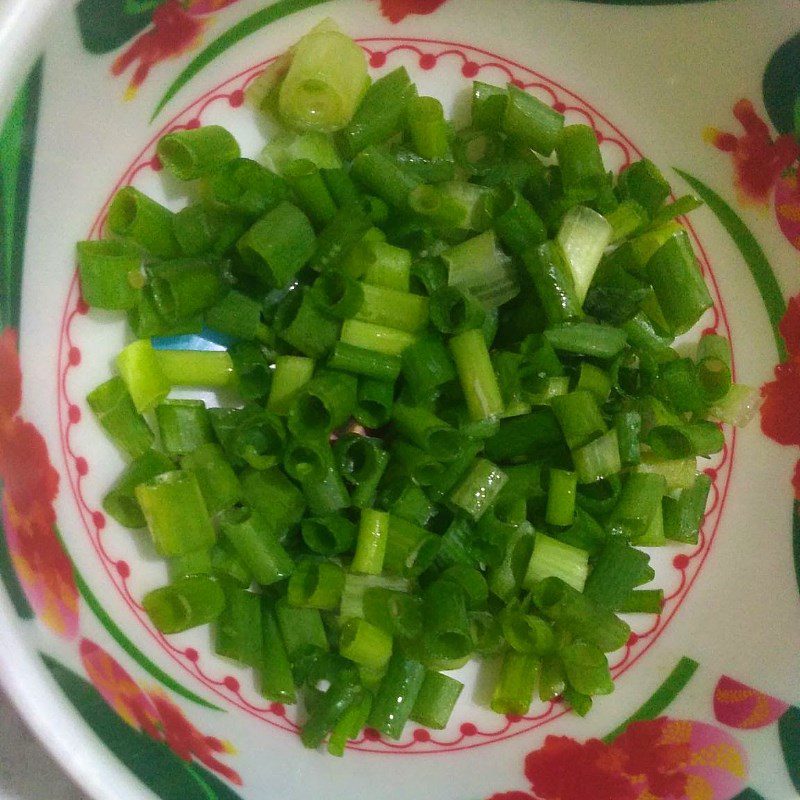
x=703, y=708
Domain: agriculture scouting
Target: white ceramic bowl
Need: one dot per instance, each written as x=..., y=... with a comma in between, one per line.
x=86, y=89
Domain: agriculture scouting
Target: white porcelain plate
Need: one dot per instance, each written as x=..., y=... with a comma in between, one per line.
x=703, y=707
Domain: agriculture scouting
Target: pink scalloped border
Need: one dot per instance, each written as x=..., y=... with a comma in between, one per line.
x=428, y=54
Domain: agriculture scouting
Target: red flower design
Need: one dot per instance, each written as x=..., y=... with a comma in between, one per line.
x=651, y=759
x=757, y=159
x=742, y=707
x=174, y=31
x=660, y=759
x=563, y=769
x=153, y=713
x=780, y=411
x=397, y=10
x=30, y=485
x=11, y=385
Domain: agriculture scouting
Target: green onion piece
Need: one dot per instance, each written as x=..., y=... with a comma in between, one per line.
x=272, y=493
x=373, y=533
x=531, y=122
x=654, y=535
x=278, y=245
x=389, y=341
x=360, y=361
x=365, y=644
x=506, y=578
x=195, y=563
x=598, y=459
x=518, y=225
x=410, y=549
x=137, y=218
x=552, y=681
x=427, y=364
x=586, y=338
x=300, y=628
x=396, y=696
x=238, y=628
x=586, y=669
x=290, y=376
x=339, y=240
x=476, y=375
x=408, y=501
x=235, y=314
x=184, y=604
x=253, y=537
x=579, y=416
x=684, y=515
x=440, y=207
x=424, y=429
x=690, y=439
x=311, y=145
x=121, y=502
x=579, y=158
x=183, y=425
x=738, y=406
x=331, y=709
x=196, y=152
x=594, y=380
x=628, y=425
x=310, y=462
x=678, y=383
x=513, y=692
x=471, y=581
x=276, y=680
x=627, y=219
x=337, y=294
x=325, y=403
x=356, y=587
x=639, y=501
x=253, y=370
x=455, y=310
x=447, y=629
x=429, y=274
x=110, y=274
x=617, y=571
x=397, y=613
x=551, y=558
x=316, y=585
x=380, y=175
x=488, y=105
x=146, y=321
x=427, y=127
x=389, y=267
x=678, y=473
x=481, y=268
x=643, y=182
x=304, y=326
x=362, y=463
x=561, y=498
x=583, y=237
x=325, y=82
x=436, y=700
x=576, y=614
x=642, y=601
x=227, y=565
x=375, y=402
x=350, y=724
x=305, y=179
x=380, y=114
x=144, y=378
x=247, y=188
x=553, y=281
x=525, y=435
x=328, y=536
x=340, y=185
x=678, y=283
x=393, y=309
x=479, y=489
x=218, y=482
x=212, y=369
x=527, y=633
x=113, y=406
x=714, y=366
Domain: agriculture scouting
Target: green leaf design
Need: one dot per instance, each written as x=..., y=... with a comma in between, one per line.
x=105, y=25
x=166, y=775
x=10, y=581
x=672, y=686
x=17, y=141
x=781, y=85
x=748, y=794
x=234, y=35
x=789, y=732
x=752, y=253
x=130, y=648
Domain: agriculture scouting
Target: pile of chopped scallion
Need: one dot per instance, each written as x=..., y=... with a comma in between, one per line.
x=460, y=412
